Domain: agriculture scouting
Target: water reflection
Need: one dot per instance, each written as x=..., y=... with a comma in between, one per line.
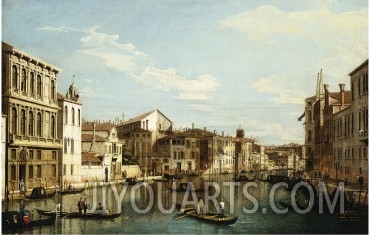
x=264, y=220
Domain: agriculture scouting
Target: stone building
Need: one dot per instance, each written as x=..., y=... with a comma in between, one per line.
x=350, y=131
x=101, y=140
x=334, y=102
x=140, y=134
x=69, y=130
x=4, y=162
x=313, y=115
x=138, y=143
x=29, y=100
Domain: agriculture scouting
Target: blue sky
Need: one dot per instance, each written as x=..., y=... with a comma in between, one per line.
x=217, y=64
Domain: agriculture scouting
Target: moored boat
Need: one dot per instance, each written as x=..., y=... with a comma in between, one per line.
x=183, y=187
x=73, y=214
x=209, y=217
x=243, y=178
x=72, y=191
x=40, y=193
x=12, y=220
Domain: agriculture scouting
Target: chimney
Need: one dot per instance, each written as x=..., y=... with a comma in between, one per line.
x=341, y=87
x=192, y=126
x=326, y=88
x=93, y=140
x=222, y=133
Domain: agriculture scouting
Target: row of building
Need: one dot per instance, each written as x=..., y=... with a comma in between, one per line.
x=336, y=128
x=46, y=142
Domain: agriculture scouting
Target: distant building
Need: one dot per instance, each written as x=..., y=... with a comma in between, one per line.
x=29, y=100
x=139, y=136
x=69, y=130
x=100, y=140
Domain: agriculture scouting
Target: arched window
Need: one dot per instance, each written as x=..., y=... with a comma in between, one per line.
x=14, y=119
x=52, y=89
x=72, y=145
x=15, y=78
x=32, y=83
x=309, y=136
x=66, y=114
x=39, y=86
x=73, y=116
x=30, y=124
x=52, y=128
x=65, y=144
x=39, y=124
x=24, y=81
x=23, y=122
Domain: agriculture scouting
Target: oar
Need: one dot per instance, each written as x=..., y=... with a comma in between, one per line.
x=70, y=212
x=181, y=216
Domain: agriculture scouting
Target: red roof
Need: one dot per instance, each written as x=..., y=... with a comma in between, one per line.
x=89, y=137
x=90, y=157
x=105, y=126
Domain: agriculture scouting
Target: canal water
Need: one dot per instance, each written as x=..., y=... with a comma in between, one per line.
x=142, y=211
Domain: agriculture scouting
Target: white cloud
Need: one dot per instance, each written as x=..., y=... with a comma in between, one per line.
x=64, y=29
x=284, y=90
x=139, y=66
x=320, y=26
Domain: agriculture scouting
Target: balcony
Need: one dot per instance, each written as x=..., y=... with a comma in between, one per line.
x=24, y=140
x=363, y=135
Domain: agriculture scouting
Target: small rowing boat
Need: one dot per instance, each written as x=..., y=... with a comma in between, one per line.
x=209, y=217
x=65, y=214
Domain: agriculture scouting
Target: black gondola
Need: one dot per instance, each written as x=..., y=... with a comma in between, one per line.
x=78, y=215
x=243, y=178
x=40, y=193
x=12, y=221
x=183, y=186
x=209, y=217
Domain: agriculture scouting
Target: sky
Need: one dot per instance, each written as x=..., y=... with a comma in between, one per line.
x=218, y=64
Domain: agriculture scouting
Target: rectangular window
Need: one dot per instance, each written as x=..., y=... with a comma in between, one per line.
x=54, y=155
x=71, y=169
x=38, y=171
x=13, y=173
x=359, y=120
x=53, y=170
x=30, y=172
x=365, y=119
x=38, y=154
x=64, y=170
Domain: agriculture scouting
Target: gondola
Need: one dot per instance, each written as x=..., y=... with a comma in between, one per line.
x=40, y=193
x=73, y=191
x=290, y=206
x=243, y=178
x=209, y=217
x=183, y=186
x=65, y=214
x=12, y=221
